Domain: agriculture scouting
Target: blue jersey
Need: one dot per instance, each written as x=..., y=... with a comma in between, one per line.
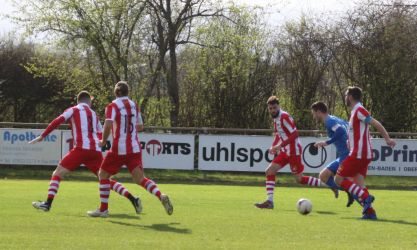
x=337, y=130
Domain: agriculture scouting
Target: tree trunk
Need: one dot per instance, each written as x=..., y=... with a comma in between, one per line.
x=172, y=82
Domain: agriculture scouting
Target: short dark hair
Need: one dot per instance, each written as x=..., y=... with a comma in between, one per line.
x=355, y=92
x=319, y=106
x=121, y=89
x=83, y=96
x=273, y=100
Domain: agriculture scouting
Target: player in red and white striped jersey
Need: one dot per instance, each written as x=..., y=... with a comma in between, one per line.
x=288, y=147
x=86, y=131
x=360, y=155
x=124, y=119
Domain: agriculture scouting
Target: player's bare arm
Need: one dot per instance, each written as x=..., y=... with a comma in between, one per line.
x=36, y=140
x=320, y=144
x=376, y=124
x=106, y=132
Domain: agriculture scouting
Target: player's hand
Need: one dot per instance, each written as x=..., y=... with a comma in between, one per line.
x=390, y=142
x=320, y=144
x=36, y=140
x=101, y=143
x=274, y=149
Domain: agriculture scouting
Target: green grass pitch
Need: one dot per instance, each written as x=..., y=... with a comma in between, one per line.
x=205, y=217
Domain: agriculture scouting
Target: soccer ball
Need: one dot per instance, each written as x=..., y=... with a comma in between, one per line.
x=304, y=206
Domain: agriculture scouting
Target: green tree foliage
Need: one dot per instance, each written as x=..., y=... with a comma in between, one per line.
x=202, y=63
x=377, y=52
x=303, y=58
x=101, y=33
x=23, y=96
x=227, y=81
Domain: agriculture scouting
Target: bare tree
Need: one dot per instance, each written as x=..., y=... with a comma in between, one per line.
x=172, y=23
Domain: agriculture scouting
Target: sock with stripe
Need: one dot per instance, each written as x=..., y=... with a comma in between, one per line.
x=355, y=190
x=120, y=189
x=53, y=188
x=104, y=194
x=151, y=186
x=311, y=181
x=270, y=186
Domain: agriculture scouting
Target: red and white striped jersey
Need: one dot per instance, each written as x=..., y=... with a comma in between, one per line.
x=284, y=125
x=359, y=136
x=125, y=115
x=85, y=125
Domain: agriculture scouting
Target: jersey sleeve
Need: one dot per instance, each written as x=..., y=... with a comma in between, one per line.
x=364, y=115
x=288, y=123
x=58, y=121
x=333, y=125
x=338, y=133
x=110, y=113
x=68, y=114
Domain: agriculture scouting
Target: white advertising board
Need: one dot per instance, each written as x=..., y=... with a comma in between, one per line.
x=250, y=153
x=15, y=150
x=159, y=151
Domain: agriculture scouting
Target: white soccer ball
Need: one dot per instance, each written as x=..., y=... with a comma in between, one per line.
x=304, y=206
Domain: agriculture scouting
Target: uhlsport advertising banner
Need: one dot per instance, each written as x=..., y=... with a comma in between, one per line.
x=15, y=150
x=250, y=153
x=159, y=151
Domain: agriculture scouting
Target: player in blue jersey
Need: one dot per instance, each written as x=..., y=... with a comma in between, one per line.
x=337, y=130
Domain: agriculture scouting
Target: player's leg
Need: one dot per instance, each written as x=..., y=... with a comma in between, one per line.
x=110, y=166
x=93, y=160
x=351, y=167
x=67, y=164
x=308, y=180
x=326, y=176
x=331, y=171
x=297, y=168
x=368, y=213
x=279, y=162
x=134, y=164
x=57, y=175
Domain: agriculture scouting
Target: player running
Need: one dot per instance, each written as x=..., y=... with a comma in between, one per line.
x=86, y=130
x=337, y=132
x=360, y=155
x=288, y=147
x=124, y=119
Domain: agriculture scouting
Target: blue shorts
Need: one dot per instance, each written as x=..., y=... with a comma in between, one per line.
x=334, y=165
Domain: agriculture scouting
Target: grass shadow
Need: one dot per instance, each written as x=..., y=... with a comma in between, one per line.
x=125, y=216
x=156, y=227
x=401, y=222
x=326, y=212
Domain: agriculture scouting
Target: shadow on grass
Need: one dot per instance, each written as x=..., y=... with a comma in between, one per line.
x=402, y=222
x=126, y=216
x=326, y=212
x=156, y=227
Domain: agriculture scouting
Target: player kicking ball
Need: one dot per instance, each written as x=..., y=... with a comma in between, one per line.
x=288, y=147
x=356, y=163
x=86, y=130
x=124, y=119
x=337, y=131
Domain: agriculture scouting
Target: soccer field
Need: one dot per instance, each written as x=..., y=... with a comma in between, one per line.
x=205, y=217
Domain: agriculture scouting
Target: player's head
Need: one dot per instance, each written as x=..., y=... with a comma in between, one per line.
x=273, y=106
x=121, y=89
x=319, y=111
x=84, y=97
x=353, y=95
